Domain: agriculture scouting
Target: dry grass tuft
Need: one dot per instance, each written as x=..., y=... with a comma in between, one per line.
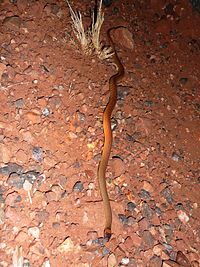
x=90, y=40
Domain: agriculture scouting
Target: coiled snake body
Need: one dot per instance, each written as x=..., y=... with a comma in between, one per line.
x=108, y=138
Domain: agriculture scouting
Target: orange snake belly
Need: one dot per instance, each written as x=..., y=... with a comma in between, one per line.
x=108, y=139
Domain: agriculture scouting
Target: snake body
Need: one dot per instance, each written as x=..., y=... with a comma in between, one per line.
x=108, y=138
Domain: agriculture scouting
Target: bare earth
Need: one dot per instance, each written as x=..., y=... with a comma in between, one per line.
x=52, y=99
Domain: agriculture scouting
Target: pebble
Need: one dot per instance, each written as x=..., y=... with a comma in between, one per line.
x=122, y=92
x=131, y=206
x=21, y=237
x=42, y=216
x=146, y=211
x=155, y=261
x=147, y=187
x=45, y=112
x=112, y=261
x=105, y=251
x=176, y=157
x=37, y=154
x=15, y=180
x=12, y=199
x=78, y=187
x=27, y=186
x=33, y=117
x=123, y=219
x=147, y=240
x=183, y=80
x=166, y=193
x=143, y=224
x=183, y=217
x=19, y=103
x=21, y=156
x=125, y=261
x=144, y=194
x=30, y=176
x=68, y=246
x=136, y=240
x=118, y=166
x=34, y=232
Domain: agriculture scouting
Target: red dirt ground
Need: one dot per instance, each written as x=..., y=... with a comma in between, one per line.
x=52, y=100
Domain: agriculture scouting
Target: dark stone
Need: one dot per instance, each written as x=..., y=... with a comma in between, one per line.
x=183, y=81
x=30, y=176
x=11, y=168
x=166, y=193
x=15, y=180
x=144, y=194
x=37, y=154
x=123, y=219
x=146, y=211
x=131, y=206
x=78, y=187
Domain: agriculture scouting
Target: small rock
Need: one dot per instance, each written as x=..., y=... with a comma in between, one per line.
x=144, y=194
x=131, y=206
x=112, y=261
x=118, y=166
x=122, y=92
x=11, y=168
x=105, y=251
x=143, y=224
x=38, y=249
x=45, y=112
x=68, y=246
x=176, y=157
x=19, y=103
x=148, y=240
x=155, y=261
x=136, y=240
x=78, y=187
x=37, y=154
x=21, y=156
x=42, y=216
x=182, y=216
x=33, y=117
x=30, y=176
x=21, y=237
x=166, y=193
x=125, y=261
x=27, y=186
x=123, y=219
x=124, y=37
x=12, y=199
x=146, y=211
x=51, y=196
x=147, y=187
x=34, y=232
x=183, y=81
x=15, y=180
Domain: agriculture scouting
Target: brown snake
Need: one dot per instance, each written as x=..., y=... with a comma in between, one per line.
x=108, y=139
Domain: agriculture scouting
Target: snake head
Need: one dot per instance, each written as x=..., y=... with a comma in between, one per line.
x=107, y=234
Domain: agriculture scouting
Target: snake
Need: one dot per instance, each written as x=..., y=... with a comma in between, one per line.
x=108, y=138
